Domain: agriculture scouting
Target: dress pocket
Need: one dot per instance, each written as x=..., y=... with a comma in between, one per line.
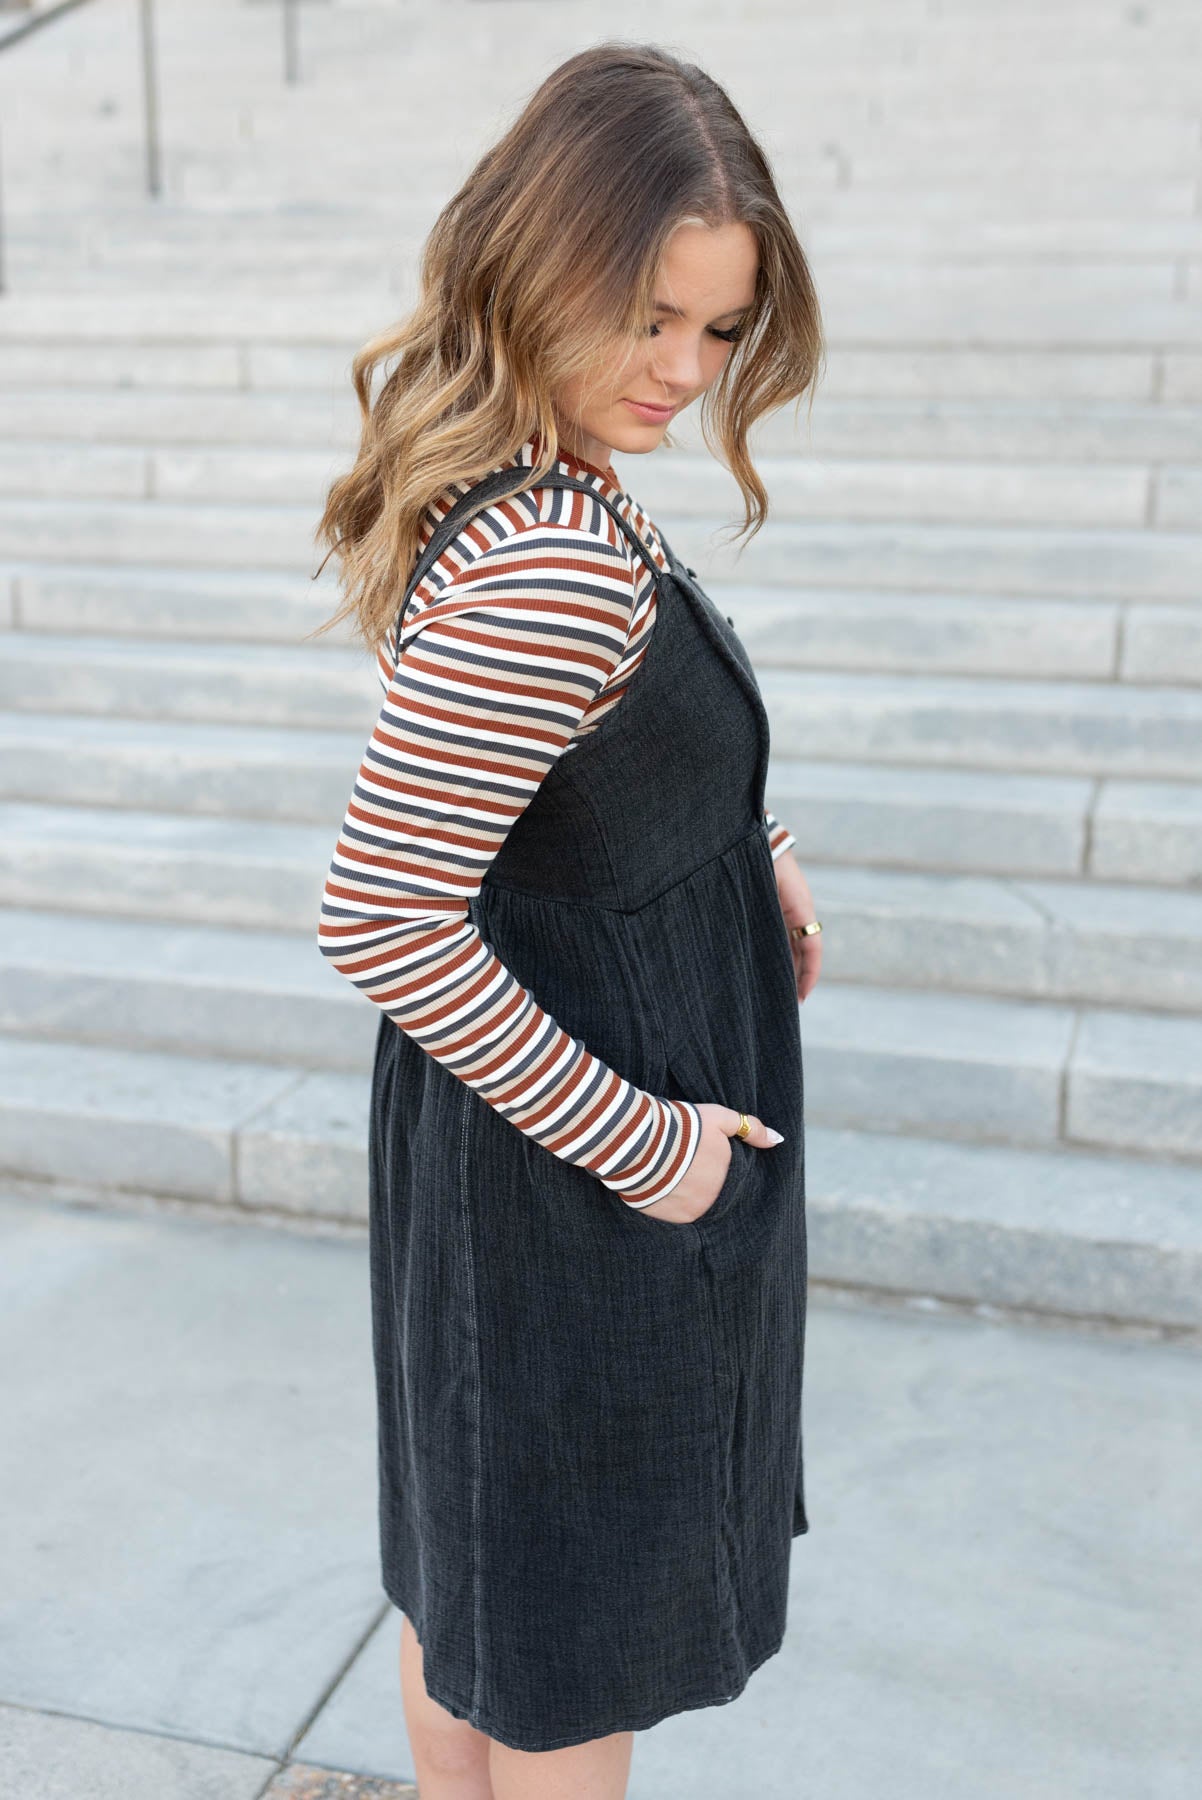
x=741, y=1156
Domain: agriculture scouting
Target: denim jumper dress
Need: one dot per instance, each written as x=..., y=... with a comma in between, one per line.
x=590, y=1447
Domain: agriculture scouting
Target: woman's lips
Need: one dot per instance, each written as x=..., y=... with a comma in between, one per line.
x=655, y=415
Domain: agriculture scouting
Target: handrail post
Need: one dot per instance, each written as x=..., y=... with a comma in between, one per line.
x=150, y=99
x=291, y=42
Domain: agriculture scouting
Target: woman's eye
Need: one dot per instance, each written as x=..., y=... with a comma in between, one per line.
x=728, y=337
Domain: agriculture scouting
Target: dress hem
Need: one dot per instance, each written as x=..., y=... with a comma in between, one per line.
x=585, y=1734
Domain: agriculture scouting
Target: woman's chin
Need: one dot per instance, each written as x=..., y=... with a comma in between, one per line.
x=632, y=436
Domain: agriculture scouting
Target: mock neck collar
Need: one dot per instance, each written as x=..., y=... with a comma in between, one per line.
x=574, y=465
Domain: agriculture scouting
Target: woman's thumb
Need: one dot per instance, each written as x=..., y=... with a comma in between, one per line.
x=761, y=1135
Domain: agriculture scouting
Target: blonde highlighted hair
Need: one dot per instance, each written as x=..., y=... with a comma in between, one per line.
x=541, y=267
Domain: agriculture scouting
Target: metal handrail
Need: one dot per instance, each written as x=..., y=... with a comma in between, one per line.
x=36, y=21
x=154, y=186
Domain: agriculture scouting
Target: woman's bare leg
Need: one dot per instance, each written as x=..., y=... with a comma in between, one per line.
x=450, y=1756
x=598, y=1770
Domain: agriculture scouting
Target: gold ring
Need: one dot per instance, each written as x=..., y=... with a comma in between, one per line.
x=744, y=1130
x=809, y=930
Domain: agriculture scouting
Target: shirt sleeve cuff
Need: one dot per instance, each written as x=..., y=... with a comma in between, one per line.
x=780, y=838
x=679, y=1149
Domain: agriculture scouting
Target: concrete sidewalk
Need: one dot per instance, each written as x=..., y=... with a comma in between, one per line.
x=1000, y=1596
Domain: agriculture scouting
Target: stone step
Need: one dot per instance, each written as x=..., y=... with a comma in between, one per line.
x=835, y=233
x=140, y=532
x=1042, y=561
x=969, y=634
x=1041, y=303
x=1122, y=44
x=824, y=486
x=831, y=140
x=198, y=868
x=980, y=821
x=1017, y=198
x=921, y=475
x=826, y=152
x=327, y=687
x=1045, y=560
x=335, y=320
x=1130, y=231
x=352, y=314
x=70, y=252
x=147, y=385
x=918, y=240
x=1051, y=941
x=224, y=771
x=199, y=990
x=1142, y=826
x=875, y=106
x=56, y=272
x=212, y=443
x=1053, y=727
x=1079, y=1232
x=201, y=1128
x=268, y=229
x=1137, y=1083
x=1058, y=727
x=966, y=821
x=814, y=628
x=223, y=606
x=989, y=431
x=866, y=103
x=1114, y=944
x=959, y=1066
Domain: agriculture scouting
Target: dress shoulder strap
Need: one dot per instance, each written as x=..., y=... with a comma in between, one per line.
x=496, y=482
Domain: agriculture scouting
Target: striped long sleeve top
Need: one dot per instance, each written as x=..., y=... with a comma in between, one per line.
x=519, y=640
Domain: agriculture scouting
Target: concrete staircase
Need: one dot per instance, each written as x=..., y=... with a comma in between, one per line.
x=976, y=609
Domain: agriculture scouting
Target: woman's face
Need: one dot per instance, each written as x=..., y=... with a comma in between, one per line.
x=706, y=284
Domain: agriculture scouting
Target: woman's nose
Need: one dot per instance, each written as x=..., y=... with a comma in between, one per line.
x=678, y=366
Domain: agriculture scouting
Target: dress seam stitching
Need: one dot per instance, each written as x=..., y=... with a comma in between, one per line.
x=477, y=1597
x=629, y=912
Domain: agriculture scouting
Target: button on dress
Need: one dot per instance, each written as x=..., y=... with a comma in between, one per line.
x=589, y=1417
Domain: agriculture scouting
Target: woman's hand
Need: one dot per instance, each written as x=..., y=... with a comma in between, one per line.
x=702, y=1181
x=798, y=907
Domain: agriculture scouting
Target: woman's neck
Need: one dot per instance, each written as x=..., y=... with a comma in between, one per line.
x=591, y=453
x=589, y=450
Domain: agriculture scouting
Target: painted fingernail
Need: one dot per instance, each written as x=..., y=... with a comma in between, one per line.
x=775, y=1137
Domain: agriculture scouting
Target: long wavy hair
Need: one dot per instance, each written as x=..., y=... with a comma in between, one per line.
x=542, y=269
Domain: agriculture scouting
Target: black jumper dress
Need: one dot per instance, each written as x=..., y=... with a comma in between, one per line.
x=590, y=1444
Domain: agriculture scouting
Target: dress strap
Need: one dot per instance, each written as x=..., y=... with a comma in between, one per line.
x=559, y=480
x=496, y=482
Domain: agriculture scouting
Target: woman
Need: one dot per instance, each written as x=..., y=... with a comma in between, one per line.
x=557, y=880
